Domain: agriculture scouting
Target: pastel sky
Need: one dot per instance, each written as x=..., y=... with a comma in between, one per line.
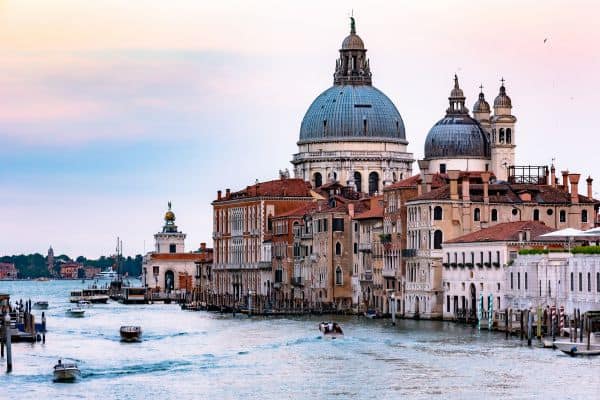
x=109, y=109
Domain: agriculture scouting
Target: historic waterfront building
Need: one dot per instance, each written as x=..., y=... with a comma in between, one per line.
x=352, y=133
x=478, y=264
x=243, y=227
x=482, y=142
x=468, y=202
x=169, y=267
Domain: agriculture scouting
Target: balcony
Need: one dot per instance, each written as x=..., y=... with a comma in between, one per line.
x=366, y=276
x=265, y=265
x=388, y=273
x=366, y=247
x=297, y=281
x=408, y=253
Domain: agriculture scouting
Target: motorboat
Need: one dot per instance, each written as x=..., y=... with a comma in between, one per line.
x=40, y=305
x=331, y=330
x=66, y=372
x=93, y=295
x=372, y=314
x=106, y=275
x=130, y=333
x=76, y=311
x=75, y=296
x=84, y=304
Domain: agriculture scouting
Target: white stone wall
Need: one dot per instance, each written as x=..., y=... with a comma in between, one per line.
x=460, y=164
x=549, y=281
x=164, y=240
x=164, y=266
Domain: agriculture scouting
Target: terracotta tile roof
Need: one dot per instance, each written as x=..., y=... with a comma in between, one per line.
x=508, y=231
x=375, y=211
x=508, y=193
x=276, y=188
x=298, y=212
x=436, y=181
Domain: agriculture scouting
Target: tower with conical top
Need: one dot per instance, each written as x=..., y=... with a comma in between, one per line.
x=502, y=141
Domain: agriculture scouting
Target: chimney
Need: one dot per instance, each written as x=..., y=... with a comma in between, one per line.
x=574, y=181
x=565, y=181
x=590, y=193
x=202, y=247
x=218, y=195
x=527, y=234
x=547, y=176
x=419, y=188
x=553, y=176
x=428, y=180
x=466, y=194
x=351, y=210
x=227, y=193
x=485, y=177
x=453, y=176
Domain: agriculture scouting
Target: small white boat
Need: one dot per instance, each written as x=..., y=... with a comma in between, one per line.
x=40, y=305
x=331, y=330
x=130, y=333
x=76, y=312
x=84, y=304
x=67, y=372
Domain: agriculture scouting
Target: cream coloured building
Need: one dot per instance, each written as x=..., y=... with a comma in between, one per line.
x=352, y=133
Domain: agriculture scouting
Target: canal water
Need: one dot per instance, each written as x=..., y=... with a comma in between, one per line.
x=205, y=355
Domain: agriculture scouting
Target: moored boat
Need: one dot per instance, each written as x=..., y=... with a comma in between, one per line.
x=66, y=372
x=130, y=333
x=75, y=296
x=331, y=330
x=76, y=311
x=40, y=305
x=578, y=349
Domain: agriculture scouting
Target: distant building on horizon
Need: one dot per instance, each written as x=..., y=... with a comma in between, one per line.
x=8, y=271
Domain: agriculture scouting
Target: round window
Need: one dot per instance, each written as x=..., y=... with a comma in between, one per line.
x=550, y=211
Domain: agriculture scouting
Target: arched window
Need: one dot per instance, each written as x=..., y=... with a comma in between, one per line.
x=437, y=213
x=358, y=181
x=562, y=216
x=476, y=214
x=501, y=136
x=338, y=249
x=338, y=276
x=508, y=135
x=373, y=182
x=584, y=217
x=494, y=215
x=536, y=215
x=318, y=179
x=438, y=238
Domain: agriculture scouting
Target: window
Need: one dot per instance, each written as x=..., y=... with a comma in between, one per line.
x=589, y=282
x=584, y=217
x=511, y=281
x=355, y=248
x=355, y=227
x=338, y=249
x=508, y=135
x=358, y=181
x=338, y=276
x=437, y=213
x=572, y=284
x=338, y=225
x=549, y=211
x=518, y=281
x=580, y=282
x=597, y=281
x=476, y=214
x=494, y=215
x=437, y=239
x=498, y=257
x=325, y=225
x=318, y=178
x=525, y=280
x=562, y=216
x=172, y=248
x=536, y=215
x=442, y=168
x=447, y=303
x=279, y=275
x=373, y=182
x=501, y=135
x=155, y=270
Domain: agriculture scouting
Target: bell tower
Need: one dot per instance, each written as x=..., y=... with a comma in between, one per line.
x=503, y=135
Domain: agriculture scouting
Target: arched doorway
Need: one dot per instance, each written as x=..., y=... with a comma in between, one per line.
x=473, y=294
x=318, y=178
x=169, y=281
x=373, y=182
x=417, y=306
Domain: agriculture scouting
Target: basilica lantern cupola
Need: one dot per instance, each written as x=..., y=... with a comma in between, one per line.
x=170, y=240
x=352, y=67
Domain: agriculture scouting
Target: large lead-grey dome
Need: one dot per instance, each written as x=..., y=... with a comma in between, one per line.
x=352, y=112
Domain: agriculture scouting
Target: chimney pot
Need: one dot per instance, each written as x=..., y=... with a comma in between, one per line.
x=485, y=177
x=227, y=193
x=565, y=180
x=218, y=195
x=574, y=181
x=590, y=193
x=453, y=176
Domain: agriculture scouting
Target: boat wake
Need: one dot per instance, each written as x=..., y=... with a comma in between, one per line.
x=137, y=369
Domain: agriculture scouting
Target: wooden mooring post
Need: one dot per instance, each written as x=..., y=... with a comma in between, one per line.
x=7, y=341
x=522, y=328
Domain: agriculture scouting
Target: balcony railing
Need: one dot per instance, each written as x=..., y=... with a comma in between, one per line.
x=366, y=277
x=366, y=247
x=409, y=253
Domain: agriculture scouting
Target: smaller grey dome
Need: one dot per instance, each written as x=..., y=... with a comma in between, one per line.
x=353, y=42
x=481, y=106
x=457, y=136
x=502, y=100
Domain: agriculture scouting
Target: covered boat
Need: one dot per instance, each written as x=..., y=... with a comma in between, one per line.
x=40, y=305
x=130, y=333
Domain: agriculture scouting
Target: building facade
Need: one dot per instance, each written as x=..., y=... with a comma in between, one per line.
x=8, y=271
x=352, y=133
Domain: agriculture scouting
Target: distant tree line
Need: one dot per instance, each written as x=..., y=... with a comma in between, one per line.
x=36, y=265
